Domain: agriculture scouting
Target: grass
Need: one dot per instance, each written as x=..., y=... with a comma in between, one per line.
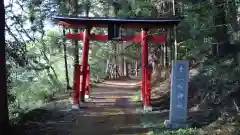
x=156, y=126
x=176, y=132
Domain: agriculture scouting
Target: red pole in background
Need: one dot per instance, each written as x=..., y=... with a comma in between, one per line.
x=87, y=85
x=87, y=82
x=144, y=59
x=76, y=84
x=80, y=86
x=148, y=89
x=84, y=63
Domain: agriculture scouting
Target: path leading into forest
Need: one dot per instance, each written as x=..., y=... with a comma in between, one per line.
x=109, y=112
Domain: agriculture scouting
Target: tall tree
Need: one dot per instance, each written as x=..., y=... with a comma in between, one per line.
x=4, y=118
x=221, y=31
x=65, y=59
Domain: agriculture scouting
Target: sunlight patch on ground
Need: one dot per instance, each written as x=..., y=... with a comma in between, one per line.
x=112, y=111
x=135, y=98
x=122, y=83
x=115, y=97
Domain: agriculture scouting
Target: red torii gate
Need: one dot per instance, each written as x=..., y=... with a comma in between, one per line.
x=78, y=72
x=114, y=25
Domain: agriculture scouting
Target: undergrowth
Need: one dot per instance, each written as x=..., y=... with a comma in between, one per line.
x=215, y=87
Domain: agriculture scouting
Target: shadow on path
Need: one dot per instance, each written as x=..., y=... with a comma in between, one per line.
x=109, y=112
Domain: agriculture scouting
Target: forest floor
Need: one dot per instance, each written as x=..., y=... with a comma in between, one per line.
x=109, y=111
x=113, y=109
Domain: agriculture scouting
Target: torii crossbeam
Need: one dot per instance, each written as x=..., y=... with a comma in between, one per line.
x=114, y=26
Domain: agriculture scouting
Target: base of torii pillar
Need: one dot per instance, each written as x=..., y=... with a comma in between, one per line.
x=147, y=108
x=86, y=96
x=75, y=106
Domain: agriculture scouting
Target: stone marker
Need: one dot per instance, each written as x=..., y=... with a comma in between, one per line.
x=179, y=95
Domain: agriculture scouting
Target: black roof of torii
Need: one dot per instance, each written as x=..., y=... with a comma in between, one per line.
x=129, y=21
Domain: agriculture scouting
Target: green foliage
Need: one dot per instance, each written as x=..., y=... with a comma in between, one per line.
x=36, y=64
x=97, y=59
x=175, y=132
x=35, y=84
x=156, y=127
x=219, y=79
x=196, y=27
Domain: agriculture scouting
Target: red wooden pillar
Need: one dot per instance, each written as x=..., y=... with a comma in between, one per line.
x=148, y=88
x=144, y=59
x=87, y=82
x=76, y=84
x=80, y=86
x=84, y=62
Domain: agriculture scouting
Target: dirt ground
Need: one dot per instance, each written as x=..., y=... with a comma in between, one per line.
x=109, y=111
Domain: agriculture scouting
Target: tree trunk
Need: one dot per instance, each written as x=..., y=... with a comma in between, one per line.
x=232, y=15
x=107, y=71
x=115, y=73
x=159, y=72
x=4, y=117
x=125, y=63
x=161, y=55
x=51, y=67
x=136, y=67
x=170, y=46
x=121, y=60
x=65, y=60
x=76, y=51
x=115, y=66
x=156, y=72
x=164, y=55
x=75, y=42
x=220, y=34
